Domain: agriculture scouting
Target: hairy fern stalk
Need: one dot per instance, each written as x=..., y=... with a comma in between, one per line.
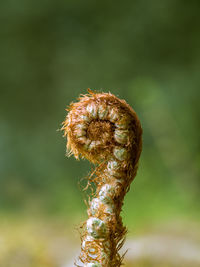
x=105, y=130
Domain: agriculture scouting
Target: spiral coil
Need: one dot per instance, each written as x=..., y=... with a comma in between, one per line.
x=105, y=130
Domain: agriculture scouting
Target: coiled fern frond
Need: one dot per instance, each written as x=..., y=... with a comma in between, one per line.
x=105, y=130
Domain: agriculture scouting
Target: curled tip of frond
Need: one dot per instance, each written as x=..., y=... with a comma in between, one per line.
x=95, y=111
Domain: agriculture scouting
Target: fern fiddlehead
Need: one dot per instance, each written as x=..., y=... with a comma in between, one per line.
x=105, y=130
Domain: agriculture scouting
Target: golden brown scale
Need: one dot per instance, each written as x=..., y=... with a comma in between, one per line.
x=105, y=130
x=100, y=130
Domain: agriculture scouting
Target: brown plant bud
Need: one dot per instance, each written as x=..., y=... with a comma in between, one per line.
x=105, y=130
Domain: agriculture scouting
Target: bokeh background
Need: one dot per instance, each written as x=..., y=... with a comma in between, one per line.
x=147, y=52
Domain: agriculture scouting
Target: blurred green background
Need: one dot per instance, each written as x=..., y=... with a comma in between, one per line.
x=146, y=52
